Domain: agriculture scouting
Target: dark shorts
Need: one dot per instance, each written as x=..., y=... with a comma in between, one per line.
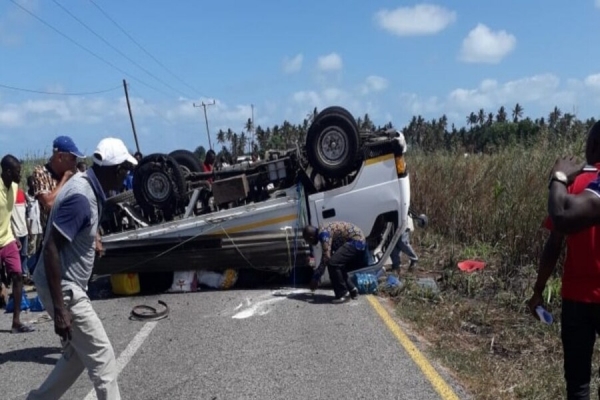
x=10, y=258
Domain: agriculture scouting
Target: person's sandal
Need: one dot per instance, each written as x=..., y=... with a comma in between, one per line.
x=23, y=329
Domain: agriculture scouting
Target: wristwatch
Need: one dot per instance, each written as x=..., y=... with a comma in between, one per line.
x=560, y=177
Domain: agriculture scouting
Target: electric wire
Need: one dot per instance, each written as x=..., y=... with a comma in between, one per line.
x=116, y=49
x=143, y=48
x=85, y=48
x=59, y=93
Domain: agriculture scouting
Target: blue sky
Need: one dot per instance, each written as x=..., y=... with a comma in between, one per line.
x=392, y=59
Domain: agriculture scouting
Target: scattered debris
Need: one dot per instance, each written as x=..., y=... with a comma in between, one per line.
x=471, y=265
x=216, y=280
x=184, y=281
x=152, y=315
x=428, y=284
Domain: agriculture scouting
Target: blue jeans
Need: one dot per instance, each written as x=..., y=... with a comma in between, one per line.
x=404, y=246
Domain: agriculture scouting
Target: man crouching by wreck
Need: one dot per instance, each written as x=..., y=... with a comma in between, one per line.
x=65, y=268
x=343, y=244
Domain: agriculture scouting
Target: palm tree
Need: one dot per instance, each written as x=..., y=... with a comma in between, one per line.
x=554, y=117
x=249, y=126
x=501, y=116
x=472, y=119
x=444, y=122
x=367, y=123
x=517, y=112
x=221, y=137
x=481, y=116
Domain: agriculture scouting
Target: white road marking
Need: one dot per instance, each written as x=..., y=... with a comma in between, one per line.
x=262, y=307
x=129, y=352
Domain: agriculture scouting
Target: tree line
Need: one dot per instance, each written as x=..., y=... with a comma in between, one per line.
x=484, y=132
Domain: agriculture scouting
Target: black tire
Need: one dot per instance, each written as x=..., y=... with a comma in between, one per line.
x=187, y=160
x=337, y=110
x=158, y=182
x=332, y=143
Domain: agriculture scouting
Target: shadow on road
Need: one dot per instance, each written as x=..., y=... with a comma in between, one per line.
x=38, y=355
x=312, y=298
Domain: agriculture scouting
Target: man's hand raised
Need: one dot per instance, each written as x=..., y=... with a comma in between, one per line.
x=569, y=166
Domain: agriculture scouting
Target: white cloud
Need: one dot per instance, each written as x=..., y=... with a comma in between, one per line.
x=482, y=45
x=96, y=110
x=374, y=83
x=422, y=19
x=11, y=117
x=330, y=62
x=593, y=81
x=166, y=126
x=303, y=102
x=537, y=92
x=291, y=65
x=307, y=97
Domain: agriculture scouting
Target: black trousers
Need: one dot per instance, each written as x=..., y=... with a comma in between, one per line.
x=580, y=323
x=346, y=256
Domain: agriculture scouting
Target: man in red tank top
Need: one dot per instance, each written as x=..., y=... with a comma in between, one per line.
x=574, y=216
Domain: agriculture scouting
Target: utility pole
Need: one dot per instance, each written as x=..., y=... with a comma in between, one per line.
x=253, y=130
x=203, y=105
x=137, y=145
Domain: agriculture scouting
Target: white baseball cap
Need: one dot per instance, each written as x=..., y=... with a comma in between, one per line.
x=112, y=151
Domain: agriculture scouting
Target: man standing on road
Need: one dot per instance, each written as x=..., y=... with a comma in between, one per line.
x=10, y=247
x=574, y=215
x=48, y=179
x=62, y=274
x=403, y=245
x=20, y=228
x=34, y=226
x=342, y=244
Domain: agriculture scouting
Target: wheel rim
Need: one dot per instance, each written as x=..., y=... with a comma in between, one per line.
x=332, y=146
x=158, y=186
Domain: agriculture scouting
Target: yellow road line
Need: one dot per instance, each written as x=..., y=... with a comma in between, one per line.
x=438, y=383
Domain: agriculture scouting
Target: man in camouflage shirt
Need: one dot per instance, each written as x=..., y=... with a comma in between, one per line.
x=343, y=244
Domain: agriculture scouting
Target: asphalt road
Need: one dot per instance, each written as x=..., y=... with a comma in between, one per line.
x=252, y=344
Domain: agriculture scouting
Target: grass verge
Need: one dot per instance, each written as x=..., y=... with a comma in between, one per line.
x=480, y=330
x=488, y=207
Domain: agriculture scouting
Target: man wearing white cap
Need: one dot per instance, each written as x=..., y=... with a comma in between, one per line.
x=62, y=274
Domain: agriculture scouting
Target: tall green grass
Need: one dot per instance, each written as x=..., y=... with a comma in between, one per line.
x=494, y=201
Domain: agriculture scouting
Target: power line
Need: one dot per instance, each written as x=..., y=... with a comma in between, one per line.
x=114, y=48
x=142, y=47
x=58, y=93
x=85, y=48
